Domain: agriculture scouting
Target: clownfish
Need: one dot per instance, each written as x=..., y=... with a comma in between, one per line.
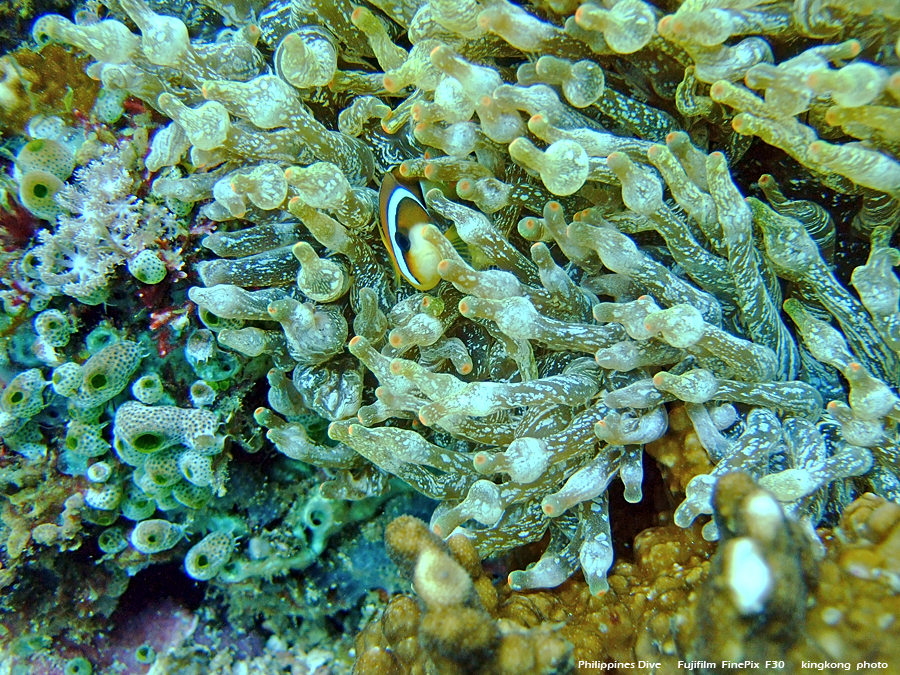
x=403, y=217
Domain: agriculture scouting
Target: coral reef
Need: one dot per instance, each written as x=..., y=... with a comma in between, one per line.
x=105, y=225
x=487, y=252
x=451, y=631
x=804, y=609
x=684, y=605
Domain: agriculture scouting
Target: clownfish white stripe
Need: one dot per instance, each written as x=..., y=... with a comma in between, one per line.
x=393, y=208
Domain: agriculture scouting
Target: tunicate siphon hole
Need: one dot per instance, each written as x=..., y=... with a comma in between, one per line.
x=202, y=394
x=208, y=318
x=99, y=338
x=148, y=442
x=36, y=191
x=112, y=540
x=206, y=557
x=99, y=472
x=148, y=389
x=78, y=666
x=66, y=379
x=137, y=507
x=45, y=155
x=51, y=332
x=99, y=381
x=145, y=654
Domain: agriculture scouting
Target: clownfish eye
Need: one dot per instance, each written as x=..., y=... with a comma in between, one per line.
x=402, y=241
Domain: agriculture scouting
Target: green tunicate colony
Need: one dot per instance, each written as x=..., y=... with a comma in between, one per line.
x=146, y=466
